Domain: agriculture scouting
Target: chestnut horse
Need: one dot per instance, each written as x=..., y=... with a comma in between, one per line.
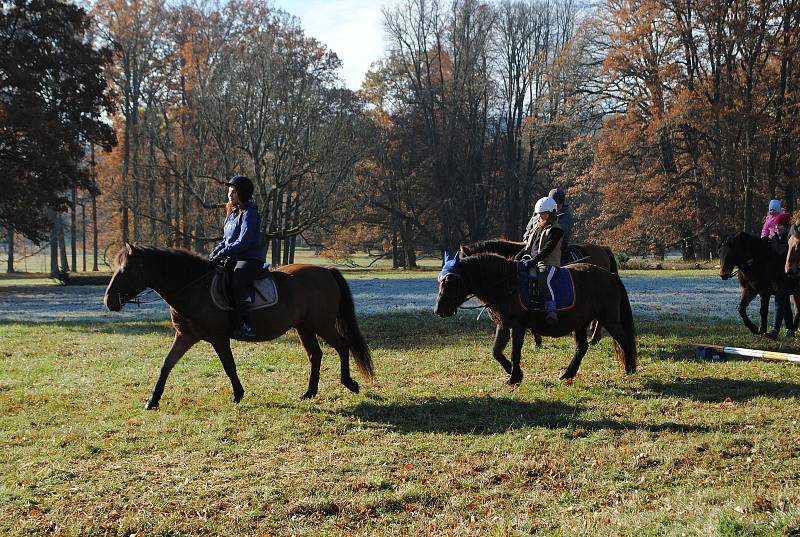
x=492, y=279
x=315, y=301
x=598, y=255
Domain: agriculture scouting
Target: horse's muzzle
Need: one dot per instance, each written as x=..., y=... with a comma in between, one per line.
x=725, y=276
x=441, y=311
x=112, y=302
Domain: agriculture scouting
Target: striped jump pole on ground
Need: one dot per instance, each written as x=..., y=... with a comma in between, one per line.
x=715, y=352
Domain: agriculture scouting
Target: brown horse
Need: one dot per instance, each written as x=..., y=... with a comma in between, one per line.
x=598, y=255
x=492, y=279
x=316, y=301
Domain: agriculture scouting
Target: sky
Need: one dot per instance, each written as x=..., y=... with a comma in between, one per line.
x=353, y=29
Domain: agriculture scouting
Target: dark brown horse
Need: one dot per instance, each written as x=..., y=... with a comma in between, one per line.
x=760, y=272
x=315, y=301
x=602, y=256
x=492, y=279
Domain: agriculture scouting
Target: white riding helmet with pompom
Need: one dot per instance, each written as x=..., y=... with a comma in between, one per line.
x=545, y=205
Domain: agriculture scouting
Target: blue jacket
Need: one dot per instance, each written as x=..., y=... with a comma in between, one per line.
x=242, y=237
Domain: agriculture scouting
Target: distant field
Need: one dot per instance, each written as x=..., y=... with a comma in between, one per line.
x=439, y=445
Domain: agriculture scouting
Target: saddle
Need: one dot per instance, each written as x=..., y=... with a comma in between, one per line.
x=263, y=292
x=530, y=294
x=574, y=254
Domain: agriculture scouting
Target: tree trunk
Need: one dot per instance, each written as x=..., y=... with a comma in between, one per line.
x=53, y=247
x=73, y=229
x=95, y=267
x=83, y=226
x=94, y=213
x=62, y=246
x=10, y=261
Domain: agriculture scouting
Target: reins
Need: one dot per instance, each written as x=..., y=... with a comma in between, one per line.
x=137, y=298
x=473, y=295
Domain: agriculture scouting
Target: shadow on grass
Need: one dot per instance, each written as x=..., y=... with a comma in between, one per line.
x=715, y=390
x=487, y=415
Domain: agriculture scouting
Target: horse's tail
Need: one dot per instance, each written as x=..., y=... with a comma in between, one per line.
x=347, y=327
x=612, y=261
x=625, y=350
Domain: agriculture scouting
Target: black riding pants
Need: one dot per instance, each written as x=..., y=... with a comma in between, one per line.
x=783, y=310
x=545, y=274
x=244, y=272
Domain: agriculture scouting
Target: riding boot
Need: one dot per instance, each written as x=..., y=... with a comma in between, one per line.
x=550, y=312
x=245, y=331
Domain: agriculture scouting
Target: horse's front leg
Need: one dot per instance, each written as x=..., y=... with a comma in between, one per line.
x=501, y=337
x=764, y=311
x=796, y=301
x=581, y=346
x=747, y=296
x=517, y=339
x=180, y=345
x=223, y=348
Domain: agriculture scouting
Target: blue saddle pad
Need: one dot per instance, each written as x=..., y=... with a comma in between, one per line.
x=563, y=289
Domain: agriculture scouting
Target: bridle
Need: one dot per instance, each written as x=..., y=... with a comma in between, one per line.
x=139, y=299
x=460, y=280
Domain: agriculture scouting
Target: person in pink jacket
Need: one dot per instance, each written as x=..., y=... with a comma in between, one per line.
x=770, y=222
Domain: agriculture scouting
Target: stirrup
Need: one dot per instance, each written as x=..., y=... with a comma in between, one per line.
x=244, y=332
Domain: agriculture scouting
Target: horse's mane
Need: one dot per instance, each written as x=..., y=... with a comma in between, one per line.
x=173, y=262
x=484, y=268
x=498, y=246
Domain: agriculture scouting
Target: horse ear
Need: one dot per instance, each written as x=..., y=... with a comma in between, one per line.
x=446, y=257
x=129, y=247
x=457, y=257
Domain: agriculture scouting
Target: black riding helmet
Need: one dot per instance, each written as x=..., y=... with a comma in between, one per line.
x=243, y=186
x=558, y=195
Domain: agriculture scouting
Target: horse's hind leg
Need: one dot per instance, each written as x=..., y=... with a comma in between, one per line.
x=180, y=345
x=335, y=340
x=309, y=339
x=501, y=338
x=223, y=348
x=597, y=332
x=581, y=346
x=517, y=339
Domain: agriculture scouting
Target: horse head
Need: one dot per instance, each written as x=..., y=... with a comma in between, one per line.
x=129, y=279
x=732, y=253
x=451, y=287
x=792, y=267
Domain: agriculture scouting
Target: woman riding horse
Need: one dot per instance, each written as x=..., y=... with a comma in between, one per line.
x=316, y=301
x=492, y=279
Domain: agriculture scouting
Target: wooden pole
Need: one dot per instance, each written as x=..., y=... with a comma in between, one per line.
x=716, y=352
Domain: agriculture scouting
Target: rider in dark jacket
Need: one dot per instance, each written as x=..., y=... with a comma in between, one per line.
x=241, y=245
x=564, y=218
x=544, y=247
x=783, y=311
x=564, y=214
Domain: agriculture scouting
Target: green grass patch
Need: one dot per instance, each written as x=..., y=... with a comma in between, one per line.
x=438, y=445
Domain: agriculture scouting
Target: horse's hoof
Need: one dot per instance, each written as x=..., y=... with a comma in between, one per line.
x=237, y=397
x=351, y=385
x=309, y=395
x=151, y=406
x=515, y=380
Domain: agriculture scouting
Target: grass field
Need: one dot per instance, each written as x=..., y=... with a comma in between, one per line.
x=439, y=445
